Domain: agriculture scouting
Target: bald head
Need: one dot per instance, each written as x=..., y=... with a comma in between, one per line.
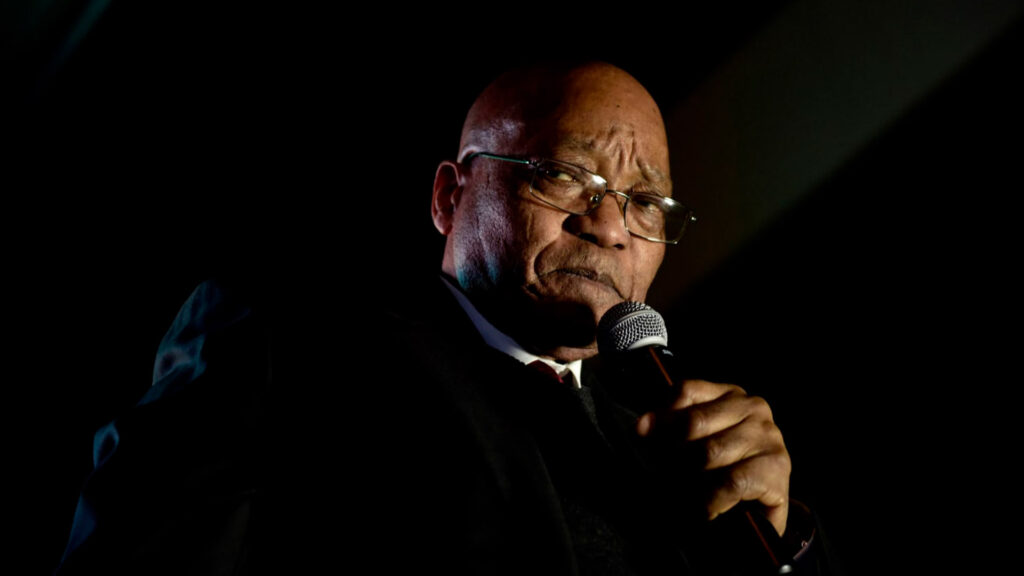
x=520, y=101
x=542, y=275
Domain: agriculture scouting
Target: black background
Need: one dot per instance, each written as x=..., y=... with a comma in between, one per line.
x=180, y=140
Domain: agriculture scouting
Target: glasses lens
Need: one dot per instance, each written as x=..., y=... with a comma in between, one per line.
x=657, y=217
x=577, y=191
x=645, y=215
x=566, y=186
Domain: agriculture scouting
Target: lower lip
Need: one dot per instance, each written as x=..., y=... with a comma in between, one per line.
x=589, y=279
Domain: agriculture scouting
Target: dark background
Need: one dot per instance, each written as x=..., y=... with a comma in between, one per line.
x=152, y=146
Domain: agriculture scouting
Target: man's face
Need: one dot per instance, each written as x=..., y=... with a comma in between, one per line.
x=544, y=276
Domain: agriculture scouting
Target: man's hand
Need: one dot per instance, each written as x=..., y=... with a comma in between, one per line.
x=734, y=441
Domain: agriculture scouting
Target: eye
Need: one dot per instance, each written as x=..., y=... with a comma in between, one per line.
x=646, y=203
x=557, y=175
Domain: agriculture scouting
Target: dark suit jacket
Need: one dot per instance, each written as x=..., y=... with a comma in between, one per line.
x=280, y=440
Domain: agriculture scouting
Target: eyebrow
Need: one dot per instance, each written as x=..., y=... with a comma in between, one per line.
x=648, y=171
x=653, y=173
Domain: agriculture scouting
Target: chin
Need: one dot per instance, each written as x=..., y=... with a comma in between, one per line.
x=568, y=323
x=562, y=314
x=569, y=354
x=597, y=307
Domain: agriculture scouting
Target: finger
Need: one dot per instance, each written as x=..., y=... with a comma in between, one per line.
x=713, y=417
x=693, y=392
x=778, y=516
x=764, y=479
x=645, y=424
x=749, y=438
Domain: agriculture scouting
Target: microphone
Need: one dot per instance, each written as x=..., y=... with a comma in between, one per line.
x=632, y=337
x=633, y=340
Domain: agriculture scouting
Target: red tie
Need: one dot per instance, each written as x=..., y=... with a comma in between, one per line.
x=545, y=369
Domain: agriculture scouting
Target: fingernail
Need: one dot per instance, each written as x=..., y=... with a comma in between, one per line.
x=645, y=424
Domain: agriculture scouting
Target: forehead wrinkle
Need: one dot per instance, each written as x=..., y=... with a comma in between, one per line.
x=654, y=174
x=649, y=172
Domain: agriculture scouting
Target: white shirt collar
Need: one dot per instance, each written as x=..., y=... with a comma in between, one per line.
x=503, y=343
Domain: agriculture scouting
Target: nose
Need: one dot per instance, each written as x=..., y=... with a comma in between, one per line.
x=604, y=225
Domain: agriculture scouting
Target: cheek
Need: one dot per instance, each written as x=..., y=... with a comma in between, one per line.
x=490, y=241
x=543, y=236
x=647, y=261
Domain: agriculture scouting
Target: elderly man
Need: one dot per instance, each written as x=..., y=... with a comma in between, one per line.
x=559, y=207
x=478, y=432
x=541, y=268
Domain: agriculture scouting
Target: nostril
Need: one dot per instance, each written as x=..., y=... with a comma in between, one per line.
x=593, y=239
x=604, y=226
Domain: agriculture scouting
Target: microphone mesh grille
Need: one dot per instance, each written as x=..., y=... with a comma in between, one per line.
x=629, y=325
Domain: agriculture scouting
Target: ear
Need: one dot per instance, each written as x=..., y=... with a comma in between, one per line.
x=447, y=195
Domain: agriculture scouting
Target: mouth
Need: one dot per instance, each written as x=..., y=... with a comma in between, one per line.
x=590, y=275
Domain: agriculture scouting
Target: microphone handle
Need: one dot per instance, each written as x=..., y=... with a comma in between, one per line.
x=744, y=528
